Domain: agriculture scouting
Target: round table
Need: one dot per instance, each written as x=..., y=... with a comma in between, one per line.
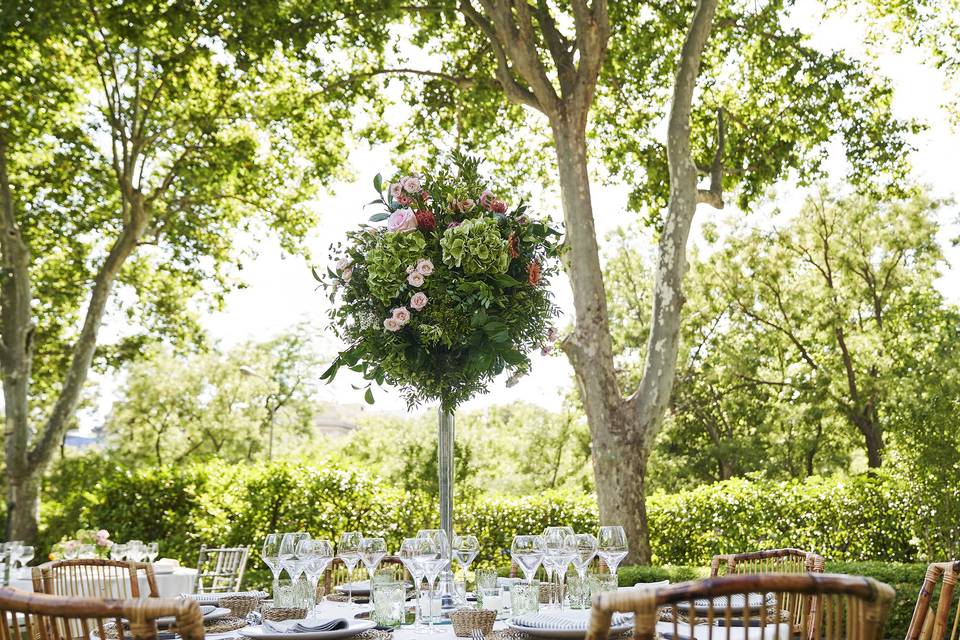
x=170, y=585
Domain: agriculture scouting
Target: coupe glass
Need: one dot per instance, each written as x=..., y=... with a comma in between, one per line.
x=430, y=558
x=349, y=552
x=612, y=546
x=408, y=556
x=372, y=551
x=527, y=552
x=586, y=550
x=317, y=554
x=151, y=550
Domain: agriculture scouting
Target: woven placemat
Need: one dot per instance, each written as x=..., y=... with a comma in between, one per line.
x=374, y=634
x=344, y=597
x=510, y=634
x=223, y=625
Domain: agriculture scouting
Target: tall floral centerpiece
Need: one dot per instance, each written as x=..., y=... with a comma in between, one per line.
x=443, y=289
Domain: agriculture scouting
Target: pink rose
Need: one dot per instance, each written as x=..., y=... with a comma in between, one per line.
x=391, y=324
x=403, y=200
x=411, y=184
x=402, y=220
x=419, y=300
x=401, y=315
x=347, y=273
x=415, y=279
x=411, y=269
x=396, y=190
x=486, y=198
x=343, y=263
x=425, y=267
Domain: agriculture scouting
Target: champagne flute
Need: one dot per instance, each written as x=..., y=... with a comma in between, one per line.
x=527, y=552
x=612, y=546
x=349, y=551
x=372, y=551
x=408, y=556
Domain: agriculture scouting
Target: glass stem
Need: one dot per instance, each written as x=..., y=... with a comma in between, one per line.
x=430, y=602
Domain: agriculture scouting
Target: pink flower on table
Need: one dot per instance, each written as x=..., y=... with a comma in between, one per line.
x=415, y=279
x=487, y=198
x=418, y=301
x=391, y=324
x=396, y=190
x=402, y=220
x=411, y=184
x=401, y=315
x=425, y=267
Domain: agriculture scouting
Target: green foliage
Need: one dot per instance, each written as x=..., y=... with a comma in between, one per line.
x=388, y=260
x=436, y=311
x=475, y=246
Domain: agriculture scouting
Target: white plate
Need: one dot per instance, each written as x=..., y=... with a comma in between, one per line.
x=163, y=569
x=564, y=633
x=355, y=627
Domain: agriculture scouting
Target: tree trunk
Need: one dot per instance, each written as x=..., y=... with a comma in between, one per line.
x=23, y=502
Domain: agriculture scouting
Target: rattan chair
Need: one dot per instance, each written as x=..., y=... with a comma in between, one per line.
x=220, y=569
x=932, y=623
x=767, y=561
x=336, y=573
x=94, y=578
x=38, y=616
x=853, y=608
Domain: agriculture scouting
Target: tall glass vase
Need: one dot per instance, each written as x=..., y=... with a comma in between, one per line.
x=446, y=587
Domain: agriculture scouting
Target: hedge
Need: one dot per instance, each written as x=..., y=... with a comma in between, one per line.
x=864, y=518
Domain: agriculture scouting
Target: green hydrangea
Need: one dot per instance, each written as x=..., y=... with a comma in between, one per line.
x=388, y=260
x=476, y=246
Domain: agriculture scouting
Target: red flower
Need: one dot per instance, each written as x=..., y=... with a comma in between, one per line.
x=498, y=206
x=513, y=243
x=533, y=273
x=425, y=220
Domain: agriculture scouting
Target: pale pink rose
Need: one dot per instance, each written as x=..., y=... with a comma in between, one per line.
x=411, y=269
x=425, y=267
x=401, y=315
x=467, y=204
x=486, y=199
x=552, y=334
x=419, y=300
x=396, y=190
x=402, y=220
x=103, y=533
x=411, y=184
x=415, y=279
x=347, y=273
x=391, y=324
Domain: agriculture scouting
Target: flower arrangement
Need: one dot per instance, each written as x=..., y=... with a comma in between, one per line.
x=69, y=546
x=448, y=293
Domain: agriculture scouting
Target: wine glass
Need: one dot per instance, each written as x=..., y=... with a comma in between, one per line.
x=586, y=550
x=527, y=552
x=465, y=550
x=270, y=554
x=289, y=559
x=562, y=557
x=118, y=551
x=408, y=556
x=429, y=556
x=552, y=542
x=316, y=555
x=135, y=550
x=612, y=546
x=71, y=549
x=151, y=550
x=349, y=551
x=86, y=551
x=372, y=551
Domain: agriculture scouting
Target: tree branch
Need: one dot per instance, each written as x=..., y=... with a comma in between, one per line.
x=714, y=195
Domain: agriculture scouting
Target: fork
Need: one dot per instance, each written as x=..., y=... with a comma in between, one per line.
x=476, y=634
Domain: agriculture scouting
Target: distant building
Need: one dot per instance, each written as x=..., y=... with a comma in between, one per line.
x=82, y=440
x=337, y=421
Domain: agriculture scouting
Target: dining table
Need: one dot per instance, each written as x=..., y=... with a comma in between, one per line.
x=171, y=581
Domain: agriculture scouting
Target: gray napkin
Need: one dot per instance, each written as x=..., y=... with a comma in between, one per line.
x=563, y=623
x=334, y=624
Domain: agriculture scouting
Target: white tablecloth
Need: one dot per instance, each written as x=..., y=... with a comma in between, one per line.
x=170, y=585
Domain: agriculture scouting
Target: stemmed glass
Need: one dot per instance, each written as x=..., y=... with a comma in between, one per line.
x=26, y=555
x=151, y=550
x=71, y=549
x=552, y=543
x=316, y=555
x=349, y=551
x=612, y=546
x=527, y=552
x=562, y=557
x=372, y=551
x=408, y=556
x=118, y=551
x=429, y=556
x=465, y=550
x=270, y=554
x=289, y=559
x=135, y=550
x=586, y=550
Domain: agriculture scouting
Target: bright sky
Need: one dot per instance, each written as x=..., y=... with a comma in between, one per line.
x=282, y=292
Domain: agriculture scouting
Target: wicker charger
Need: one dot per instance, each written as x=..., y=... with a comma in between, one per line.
x=276, y=614
x=224, y=625
x=465, y=621
x=240, y=606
